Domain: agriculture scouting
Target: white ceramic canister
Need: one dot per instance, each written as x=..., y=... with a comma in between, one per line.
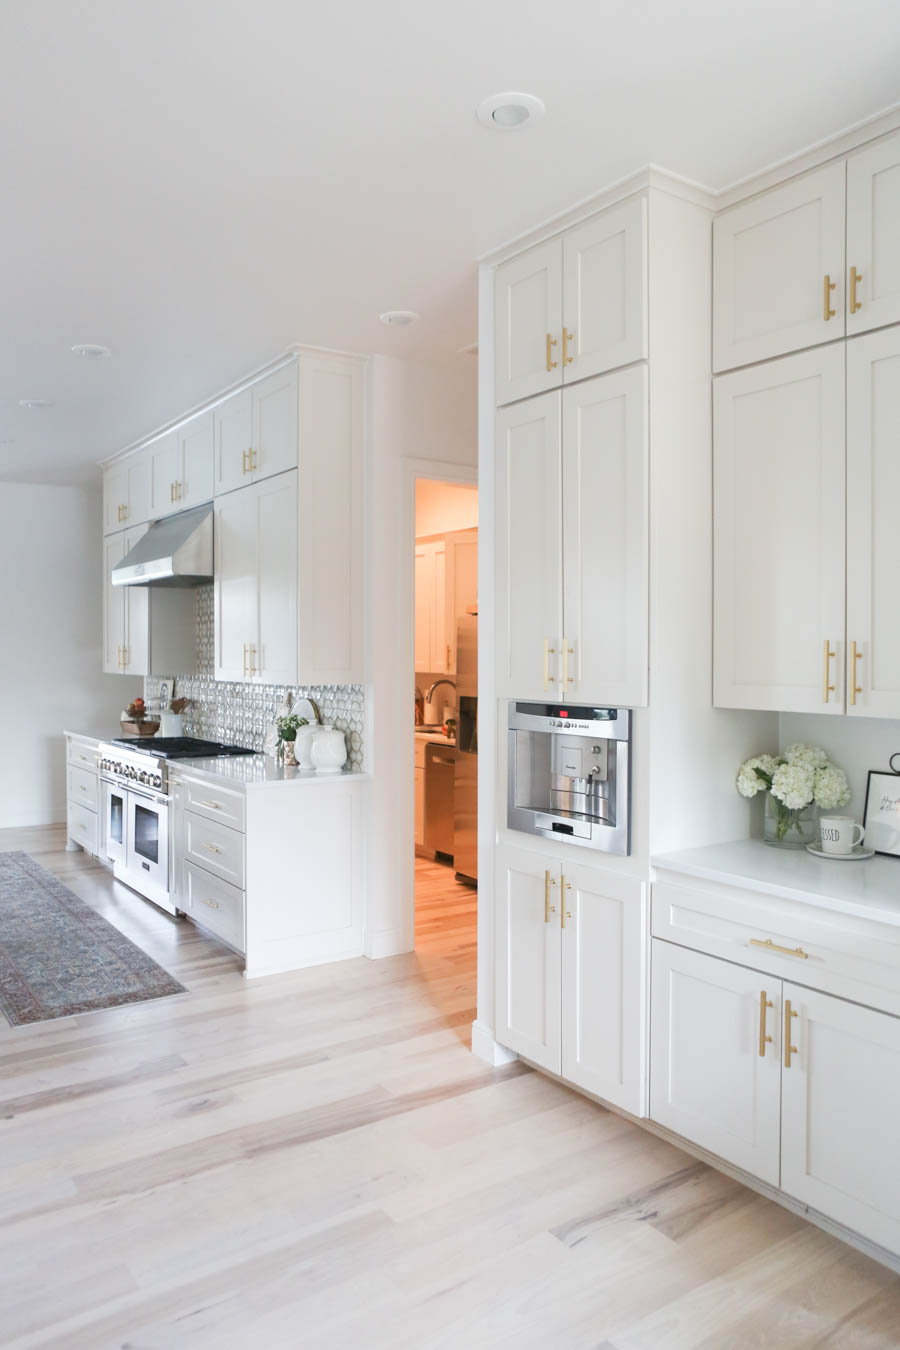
x=329, y=750
x=303, y=745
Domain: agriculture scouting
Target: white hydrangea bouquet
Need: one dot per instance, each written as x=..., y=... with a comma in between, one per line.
x=797, y=783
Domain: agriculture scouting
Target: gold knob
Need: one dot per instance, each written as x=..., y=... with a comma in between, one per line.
x=855, y=279
x=829, y=287
x=551, y=364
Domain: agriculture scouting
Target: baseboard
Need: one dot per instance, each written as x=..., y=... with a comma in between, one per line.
x=387, y=942
x=485, y=1047
x=35, y=819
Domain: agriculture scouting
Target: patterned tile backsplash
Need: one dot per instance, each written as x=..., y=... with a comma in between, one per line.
x=240, y=713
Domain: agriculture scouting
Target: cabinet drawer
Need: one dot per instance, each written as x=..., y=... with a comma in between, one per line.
x=214, y=904
x=82, y=755
x=215, y=803
x=82, y=787
x=81, y=825
x=837, y=953
x=214, y=847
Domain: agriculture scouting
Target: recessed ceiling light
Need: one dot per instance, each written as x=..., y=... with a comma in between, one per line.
x=510, y=111
x=90, y=349
x=35, y=403
x=398, y=318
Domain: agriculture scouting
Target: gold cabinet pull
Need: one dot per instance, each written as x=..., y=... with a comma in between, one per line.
x=551, y=364
x=177, y=490
x=253, y=464
x=244, y=660
x=448, y=655
x=855, y=656
x=829, y=287
x=213, y=904
x=548, y=908
x=567, y=338
x=171, y=492
x=771, y=946
x=548, y=652
x=251, y=659
x=216, y=806
x=855, y=279
x=244, y=457
x=124, y=658
x=827, y=688
x=564, y=913
x=764, y=1040
x=567, y=651
x=788, y=1048
x=213, y=848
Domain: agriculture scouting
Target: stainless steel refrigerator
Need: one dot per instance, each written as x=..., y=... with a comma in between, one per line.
x=465, y=792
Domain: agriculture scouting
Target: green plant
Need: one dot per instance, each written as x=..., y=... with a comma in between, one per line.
x=289, y=726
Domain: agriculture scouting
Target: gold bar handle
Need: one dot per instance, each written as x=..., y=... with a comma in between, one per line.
x=548, y=652
x=551, y=364
x=567, y=651
x=171, y=492
x=567, y=338
x=764, y=1040
x=829, y=287
x=827, y=688
x=788, y=1048
x=213, y=848
x=855, y=656
x=251, y=650
x=213, y=904
x=215, y=806
x=253, y=464
x=244, y=455
x=771, y=946
x=564, y=913
x=855, y=279
x=548, y=908
x=244, y=660
x=124, y=658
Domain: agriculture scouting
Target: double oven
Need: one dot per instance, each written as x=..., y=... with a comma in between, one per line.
x=136, y=812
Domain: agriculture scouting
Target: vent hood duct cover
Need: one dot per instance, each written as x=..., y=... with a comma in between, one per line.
x=177, y=551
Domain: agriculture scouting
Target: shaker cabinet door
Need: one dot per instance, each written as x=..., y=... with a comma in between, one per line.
x=233, y=441
x=529, y=548
x=779, y=531
x=196, y=455
x=236, y=613
x=527, y=946
x=275, y=422
x=114, y=627
x=873, y=525
x=873, y=236
x=164, y=476
x=275, y=505
x=778, y=270
x=605, y=539
x=605, y=291
x=528, y=316
x=714, y=1079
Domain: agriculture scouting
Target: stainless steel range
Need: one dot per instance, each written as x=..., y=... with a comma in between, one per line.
x=137, y=807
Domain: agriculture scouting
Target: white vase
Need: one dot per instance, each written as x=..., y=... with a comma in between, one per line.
x=329, y=750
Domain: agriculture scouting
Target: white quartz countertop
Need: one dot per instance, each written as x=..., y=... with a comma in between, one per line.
x=866, y=887
x=253, y=771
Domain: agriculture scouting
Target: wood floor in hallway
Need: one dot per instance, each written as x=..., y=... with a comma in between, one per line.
x=316, y=1161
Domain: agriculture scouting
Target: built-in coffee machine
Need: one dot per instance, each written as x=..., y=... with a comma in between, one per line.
x=568, y=774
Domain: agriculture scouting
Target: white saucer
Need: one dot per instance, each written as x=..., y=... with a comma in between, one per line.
x=858, y=851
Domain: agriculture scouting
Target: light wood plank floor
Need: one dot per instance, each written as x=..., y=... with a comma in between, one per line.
x=317, y=1161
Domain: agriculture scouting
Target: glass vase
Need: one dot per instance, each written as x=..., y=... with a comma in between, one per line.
x=786, y=828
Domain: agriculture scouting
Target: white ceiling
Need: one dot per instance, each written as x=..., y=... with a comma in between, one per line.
x=200, y=183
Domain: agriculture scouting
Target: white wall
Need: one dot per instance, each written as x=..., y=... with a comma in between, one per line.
x=442, y=507
x=857, y=744
x=50, y=644
x=417, y=413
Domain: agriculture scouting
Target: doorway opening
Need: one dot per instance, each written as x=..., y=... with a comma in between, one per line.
x=446, y=726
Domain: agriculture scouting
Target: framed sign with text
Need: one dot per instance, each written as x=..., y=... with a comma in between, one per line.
x=882, y=815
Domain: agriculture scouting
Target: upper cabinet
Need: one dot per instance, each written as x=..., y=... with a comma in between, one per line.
x=778, y=270
x=256, y=431
x=572, y=496
x=574, y=306
x=446, y=589
x=126, y=492
x=779, y=534
x=873, y=236
x=146, y=630
x=194, y=461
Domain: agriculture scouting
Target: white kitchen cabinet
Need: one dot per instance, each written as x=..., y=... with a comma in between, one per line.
x=605, y=507
x=840, y=1105
x=873, y=532
x=83, y=819
x=778, y=270
x=433, y=649
x=194, y=482
x=256, y=582
x=424, y=599
x=163, y=475
x=462, y=583
x=420, y=749
x=873, y=236
x=147, y=630
x=528, y=547
x=714, y=1078
x=779, y=494
x=115, y=633
x=256, y=431
x=527, y=949
x=528, y=318
x=605, y=291
x=604, y=995
x=126, y=492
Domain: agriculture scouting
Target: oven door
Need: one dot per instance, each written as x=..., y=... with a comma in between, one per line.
x=115, y=821
x=147, y=842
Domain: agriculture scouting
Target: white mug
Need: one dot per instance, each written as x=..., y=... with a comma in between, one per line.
x=837, y=834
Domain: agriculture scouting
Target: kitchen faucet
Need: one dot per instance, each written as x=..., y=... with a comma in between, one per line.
x=430, y=692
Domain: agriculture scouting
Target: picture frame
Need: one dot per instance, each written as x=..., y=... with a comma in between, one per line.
x=881, y=817
x=166, y=692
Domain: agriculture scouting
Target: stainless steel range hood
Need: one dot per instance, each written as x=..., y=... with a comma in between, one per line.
x=177, y=551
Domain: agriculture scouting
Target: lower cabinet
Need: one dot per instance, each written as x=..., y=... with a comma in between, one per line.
x=797, y=1087
x=570, y=952
x=83, y=819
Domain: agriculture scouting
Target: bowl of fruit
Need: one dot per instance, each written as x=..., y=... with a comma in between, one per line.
x=135, y=721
